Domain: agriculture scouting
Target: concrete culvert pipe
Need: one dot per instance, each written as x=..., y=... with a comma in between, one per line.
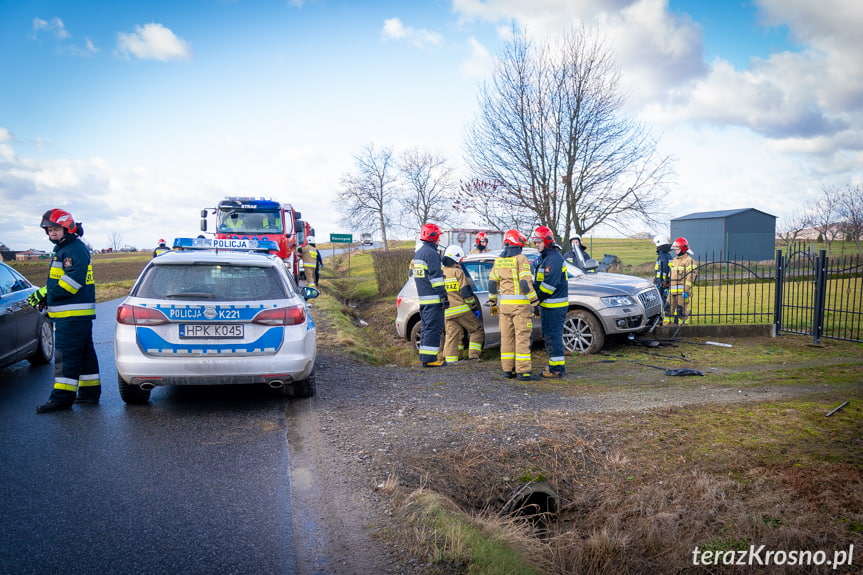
x=536, y=501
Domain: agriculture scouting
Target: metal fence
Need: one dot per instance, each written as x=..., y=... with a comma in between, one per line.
x=800, y=292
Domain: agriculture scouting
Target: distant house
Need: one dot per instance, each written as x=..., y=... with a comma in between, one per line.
x=30, y=255
x=744, y=234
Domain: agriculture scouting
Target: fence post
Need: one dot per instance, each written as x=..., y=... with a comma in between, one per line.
x=777, y=293
x=820, y=296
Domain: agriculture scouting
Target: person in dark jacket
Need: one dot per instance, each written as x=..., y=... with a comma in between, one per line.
x=577, y=253
x=552, y=288
x=70, y=295
x=662, y=269
x=428, y=276
x=161, y=248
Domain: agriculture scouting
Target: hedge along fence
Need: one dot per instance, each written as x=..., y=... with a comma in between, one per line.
x=392, y=269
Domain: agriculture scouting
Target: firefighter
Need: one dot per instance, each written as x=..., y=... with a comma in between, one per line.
x=511, y=294
x=429, y=280
x=662, y=269
x=552, y=288
x=463, y=313
x=481, y=244
x=70, y=295
x=577, y=253
x=681, y=277
x=161, y=248
x=312, y=262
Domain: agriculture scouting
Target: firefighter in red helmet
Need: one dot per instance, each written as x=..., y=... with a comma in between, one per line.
x=70, y=295
x=429, y=279
x=552, y=289
x=481, y=243
x=681, y=278
x=161, y=248
x=511, y=295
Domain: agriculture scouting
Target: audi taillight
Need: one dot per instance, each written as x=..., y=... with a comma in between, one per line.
x=136, y=315
x=282, y=316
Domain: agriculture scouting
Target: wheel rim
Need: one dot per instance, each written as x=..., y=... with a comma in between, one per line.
x=577, y=334
x=47, y=339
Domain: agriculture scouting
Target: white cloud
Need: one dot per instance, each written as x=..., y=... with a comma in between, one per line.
x=153, y=42
x=394, y=29
x=479, y=63
x=55, y=26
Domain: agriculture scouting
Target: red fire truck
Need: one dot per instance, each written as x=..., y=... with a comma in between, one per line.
x=262, y=219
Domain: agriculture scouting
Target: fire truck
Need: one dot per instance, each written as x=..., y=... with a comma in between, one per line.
x=262, y=219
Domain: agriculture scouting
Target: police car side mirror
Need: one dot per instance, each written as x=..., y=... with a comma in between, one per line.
x=310, y=292
x=591, y=264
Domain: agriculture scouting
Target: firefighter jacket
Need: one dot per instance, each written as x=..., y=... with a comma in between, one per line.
x=461, y=297
x=662, y=268
x=682, y=274
x=551, y=280
x=510, y=281
x=428, y=275
x=71, y=289
x=311, y=257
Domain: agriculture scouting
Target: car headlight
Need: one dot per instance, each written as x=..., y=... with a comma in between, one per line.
x=617, y=300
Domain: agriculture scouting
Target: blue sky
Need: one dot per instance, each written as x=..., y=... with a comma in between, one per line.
x=135, y=115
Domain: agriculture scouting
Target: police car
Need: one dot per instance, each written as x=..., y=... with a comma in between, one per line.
x=214, y=312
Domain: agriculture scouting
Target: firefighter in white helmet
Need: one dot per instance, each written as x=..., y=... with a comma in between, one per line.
x=312, y=262
x=463, y=314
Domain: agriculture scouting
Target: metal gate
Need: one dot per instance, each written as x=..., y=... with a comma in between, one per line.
x=819, y=296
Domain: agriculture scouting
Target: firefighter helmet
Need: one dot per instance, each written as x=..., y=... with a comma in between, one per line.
x=454, y=252
x=660, y=240
x=481, y=237
x=430, y=233
x=161, y=242
x=681, y=244
x=62, y=218
x=514, y=238
x=543, y=234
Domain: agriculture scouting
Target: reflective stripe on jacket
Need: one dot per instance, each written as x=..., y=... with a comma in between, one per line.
x=510, y=280
x=71, y=289
x=551, y=280
x=428, y=275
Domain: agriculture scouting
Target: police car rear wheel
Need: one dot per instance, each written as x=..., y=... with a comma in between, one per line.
x=306, y=387
x=132, y=394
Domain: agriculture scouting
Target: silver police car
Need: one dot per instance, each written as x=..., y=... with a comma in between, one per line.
x=215, y=312
x=600, y=304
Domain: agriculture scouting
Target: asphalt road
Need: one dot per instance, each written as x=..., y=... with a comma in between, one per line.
x=198, y=481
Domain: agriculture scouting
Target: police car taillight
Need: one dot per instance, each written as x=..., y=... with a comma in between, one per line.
x=136, y=315
x=293, y=315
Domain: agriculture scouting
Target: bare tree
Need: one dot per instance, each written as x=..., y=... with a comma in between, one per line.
x=552, y=138
x=825, y=214
x=370, y=194
x=791, y=227
x=429, y=188
x=115, y=241
x=850, y=211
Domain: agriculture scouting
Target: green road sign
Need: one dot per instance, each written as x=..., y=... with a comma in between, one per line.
x=341, y=238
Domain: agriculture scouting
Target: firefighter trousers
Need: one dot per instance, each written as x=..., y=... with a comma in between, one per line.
x=678, y=307
x=552, y=333
x=455, y=329
x=432, y=316
x=76, y=367
x=515, y=328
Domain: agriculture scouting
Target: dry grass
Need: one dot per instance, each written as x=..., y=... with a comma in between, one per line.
x=640, y=492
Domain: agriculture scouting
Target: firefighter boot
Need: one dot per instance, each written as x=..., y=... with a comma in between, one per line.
x=59, y=400
x=88, y=394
